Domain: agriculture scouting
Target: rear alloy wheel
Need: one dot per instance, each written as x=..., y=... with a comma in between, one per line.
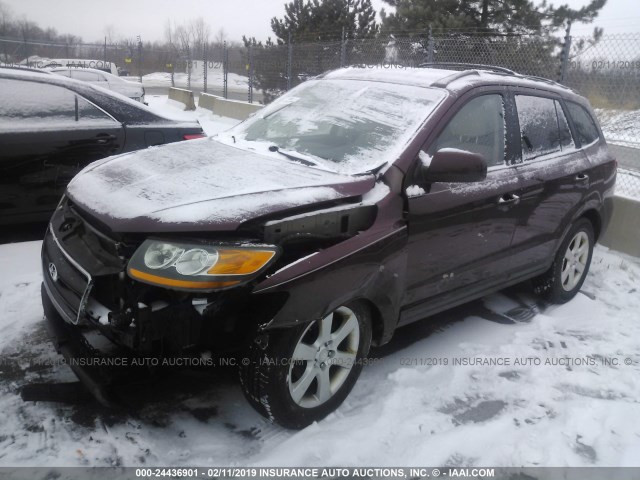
x=575, y=261
x=304, y=373
x=567, y=274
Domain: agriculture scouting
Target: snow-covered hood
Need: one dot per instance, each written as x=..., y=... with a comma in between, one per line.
x=202, y=185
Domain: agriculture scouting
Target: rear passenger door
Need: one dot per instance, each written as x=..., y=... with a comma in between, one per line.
x=554, y=175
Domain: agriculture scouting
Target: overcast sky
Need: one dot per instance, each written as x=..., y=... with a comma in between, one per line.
x=89, y=18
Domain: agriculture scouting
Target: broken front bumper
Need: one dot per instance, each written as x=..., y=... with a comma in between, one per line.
x=71, y=344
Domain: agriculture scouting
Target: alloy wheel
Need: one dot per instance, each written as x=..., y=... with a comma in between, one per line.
x=575, y=261
x=323, y=357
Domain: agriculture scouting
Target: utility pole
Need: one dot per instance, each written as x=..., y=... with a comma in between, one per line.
x=140, y=57
x=289, y=60
x=225, y=69
x=250, y=95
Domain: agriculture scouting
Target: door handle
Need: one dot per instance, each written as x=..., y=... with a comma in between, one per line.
x=582, y=177
x=105, y=138
x=508, y=199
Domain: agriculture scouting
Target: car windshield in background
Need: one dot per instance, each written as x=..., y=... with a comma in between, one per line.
x=354, y=126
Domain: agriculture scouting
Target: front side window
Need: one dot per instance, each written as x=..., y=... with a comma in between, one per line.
x=586, y=129
x=28, y=105
x=479, y=128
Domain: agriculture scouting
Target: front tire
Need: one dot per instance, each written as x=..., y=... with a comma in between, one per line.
x=570, y=267
x=304, y=373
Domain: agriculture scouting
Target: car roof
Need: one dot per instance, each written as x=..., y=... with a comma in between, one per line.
x=455, y=78
x=24, y=69
x=82, y=69
x=114, y=103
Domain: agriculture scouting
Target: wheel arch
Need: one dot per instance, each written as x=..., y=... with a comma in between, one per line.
x=596, y=221
x=378, y=336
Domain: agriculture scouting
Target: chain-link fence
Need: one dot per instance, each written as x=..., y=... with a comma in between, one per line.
x=606, y=71
x=628, y=183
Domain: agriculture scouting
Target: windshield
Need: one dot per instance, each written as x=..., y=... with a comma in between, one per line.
x=350, y=126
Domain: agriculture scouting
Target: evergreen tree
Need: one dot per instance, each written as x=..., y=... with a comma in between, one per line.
x=490, y=16
x=322, y=20
x=315, y=28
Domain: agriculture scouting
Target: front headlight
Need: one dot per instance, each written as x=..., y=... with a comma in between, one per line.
x=196, y=266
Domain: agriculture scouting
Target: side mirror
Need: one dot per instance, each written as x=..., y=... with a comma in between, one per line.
x=453, y=165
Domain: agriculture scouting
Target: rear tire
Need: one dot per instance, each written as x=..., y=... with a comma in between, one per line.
x=299, y=375
x=570, y=267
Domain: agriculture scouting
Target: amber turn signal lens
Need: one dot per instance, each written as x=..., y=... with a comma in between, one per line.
x=170, y=282
x=240, y=262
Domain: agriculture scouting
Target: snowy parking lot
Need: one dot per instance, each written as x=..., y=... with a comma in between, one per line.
x=561, y=389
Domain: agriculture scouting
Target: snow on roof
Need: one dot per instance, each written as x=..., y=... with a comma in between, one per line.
x=421, y=77
x=427, y=77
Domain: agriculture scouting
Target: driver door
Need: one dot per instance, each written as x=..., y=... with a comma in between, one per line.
x=460, y=233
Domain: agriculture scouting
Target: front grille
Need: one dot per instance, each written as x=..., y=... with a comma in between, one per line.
x=66, y=284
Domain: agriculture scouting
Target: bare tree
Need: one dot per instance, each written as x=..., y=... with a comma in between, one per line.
x=110, y=34
x=5, y=26
x=220, y=37
x=200, y=32
x=184, y=39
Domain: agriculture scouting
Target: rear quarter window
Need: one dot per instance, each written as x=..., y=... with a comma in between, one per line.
x=26, y=105
x=585, y=126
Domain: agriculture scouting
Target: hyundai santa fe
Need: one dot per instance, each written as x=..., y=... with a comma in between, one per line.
x=359, y=202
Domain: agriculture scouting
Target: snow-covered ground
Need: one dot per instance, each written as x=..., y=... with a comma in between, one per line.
x=402, y=411
x=621, y=127
x=236, y=83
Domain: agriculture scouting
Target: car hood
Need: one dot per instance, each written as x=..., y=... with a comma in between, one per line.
x=202, y=185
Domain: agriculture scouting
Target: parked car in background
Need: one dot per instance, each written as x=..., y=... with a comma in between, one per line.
x=129, y=88
x=51, y=127
x=101, y=65
x=359, y=202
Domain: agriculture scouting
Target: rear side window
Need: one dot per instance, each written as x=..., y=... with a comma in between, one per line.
x=479, y=128
x=27, y=105
x=586, y=129
x=87, y=76
x=543, y=127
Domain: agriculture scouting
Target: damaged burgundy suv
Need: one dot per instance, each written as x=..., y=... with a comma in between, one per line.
x=359, y=202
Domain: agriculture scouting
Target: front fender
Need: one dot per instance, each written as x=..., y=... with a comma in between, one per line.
x=369, y=266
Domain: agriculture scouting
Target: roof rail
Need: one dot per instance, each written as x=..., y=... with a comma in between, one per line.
x=479, y=66
x=545, y=80
x=443, y=82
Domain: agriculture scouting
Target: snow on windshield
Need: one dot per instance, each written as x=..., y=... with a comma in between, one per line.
x=354, y=125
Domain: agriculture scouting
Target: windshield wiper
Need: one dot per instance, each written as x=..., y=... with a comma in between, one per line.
x=372, y=171
x=295, y=158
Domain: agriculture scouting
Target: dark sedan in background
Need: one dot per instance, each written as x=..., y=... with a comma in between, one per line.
x=51, y=127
